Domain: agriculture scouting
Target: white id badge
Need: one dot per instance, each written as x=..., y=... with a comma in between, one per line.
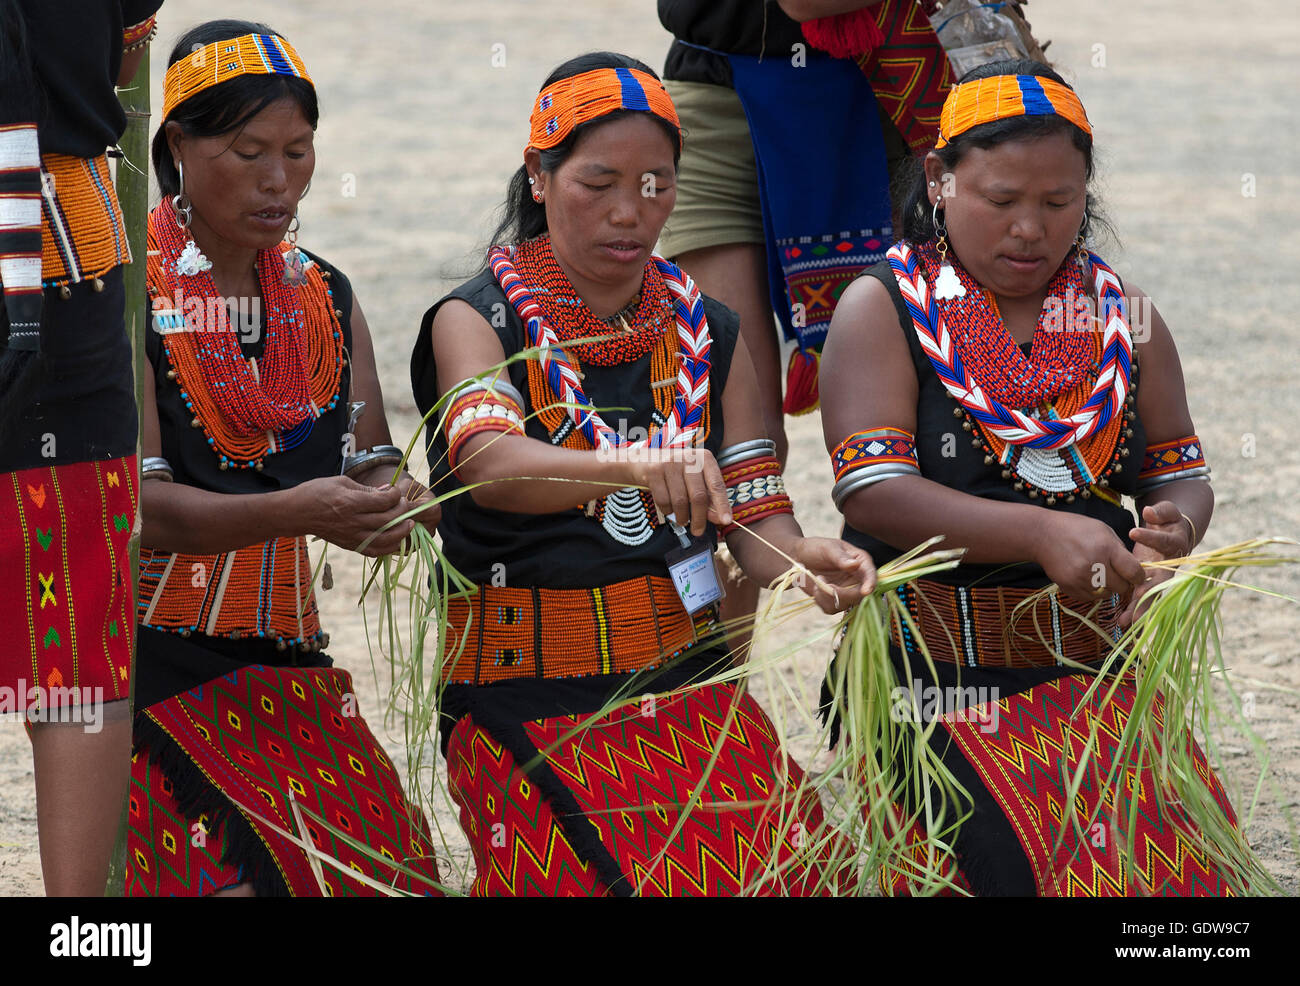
x=692, y=571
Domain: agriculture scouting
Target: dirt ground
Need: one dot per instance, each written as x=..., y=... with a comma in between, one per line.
x=424, y=115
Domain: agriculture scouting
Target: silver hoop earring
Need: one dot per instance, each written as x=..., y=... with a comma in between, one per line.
x=181, y=202
x=305, y=191
x=191, y=260
x=532, y=180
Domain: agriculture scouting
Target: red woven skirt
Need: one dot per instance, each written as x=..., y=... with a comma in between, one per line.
x=1028, y=836
x=65, y=582
x=561, y=807
x=217, y=772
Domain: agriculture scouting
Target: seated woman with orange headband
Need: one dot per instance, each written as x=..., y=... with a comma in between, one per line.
x=590, y=536
x=983, y=384
x=246, y=736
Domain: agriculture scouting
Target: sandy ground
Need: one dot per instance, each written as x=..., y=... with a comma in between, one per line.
x=425, y=112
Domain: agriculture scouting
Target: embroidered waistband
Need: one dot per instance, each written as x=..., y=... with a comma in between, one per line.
x=263, y=590
x=501, y=633
x=981, y=627
x=83, y=236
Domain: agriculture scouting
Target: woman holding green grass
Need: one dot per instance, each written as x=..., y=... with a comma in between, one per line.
x=591, y=475
x=969, y=390
x=246, y=736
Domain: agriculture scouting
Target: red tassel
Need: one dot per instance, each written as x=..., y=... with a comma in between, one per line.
x=801, y=395
x=844, y=35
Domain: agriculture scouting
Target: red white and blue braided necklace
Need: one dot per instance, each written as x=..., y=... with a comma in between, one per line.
x=692, y=394
x=1010, y=424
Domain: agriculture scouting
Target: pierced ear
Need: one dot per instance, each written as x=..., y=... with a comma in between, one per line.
x=935, y=169
x=175, y=135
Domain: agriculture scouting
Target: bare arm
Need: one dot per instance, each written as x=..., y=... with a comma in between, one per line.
x=187, y=519
x=846, y=568
x=524, y=475
x=130, y=65
x=1162, y=406
x=1174, y=517
x=868, y=381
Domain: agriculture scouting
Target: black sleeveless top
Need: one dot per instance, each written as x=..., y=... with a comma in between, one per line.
x=966, y=470
x=566, y=550
x=193, y=460
x=167, y=664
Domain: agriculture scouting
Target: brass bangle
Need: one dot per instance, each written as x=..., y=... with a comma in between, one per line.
x=1195, y=540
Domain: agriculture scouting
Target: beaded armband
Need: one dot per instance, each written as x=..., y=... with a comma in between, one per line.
x=138, y=35
x=1169, y=462
x=755, y=489
x=868, y=457
x=477, y=407
x=20, y=235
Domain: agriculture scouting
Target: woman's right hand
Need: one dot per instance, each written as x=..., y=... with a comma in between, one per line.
x=349, y=514
x=1085, y=558
x=684, y=482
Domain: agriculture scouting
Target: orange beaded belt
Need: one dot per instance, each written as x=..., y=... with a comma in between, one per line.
x=981, y=627
x=82, y=233
x=503, y=633
x=263, y=590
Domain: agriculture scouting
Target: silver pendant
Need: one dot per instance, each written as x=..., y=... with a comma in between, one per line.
x=295, y=271
x=948, y=285
x=191, y=261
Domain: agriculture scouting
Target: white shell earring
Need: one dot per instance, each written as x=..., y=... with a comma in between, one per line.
x=947, y=285
x=191, y=261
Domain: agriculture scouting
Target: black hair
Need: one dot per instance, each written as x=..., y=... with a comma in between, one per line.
x=521, y=217
x=918, y=223
x=21, y=371
x=225, y=107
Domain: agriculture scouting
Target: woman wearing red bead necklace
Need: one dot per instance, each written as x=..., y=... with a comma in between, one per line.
x=246, y=431
x=1008, y=417
x=597, y=583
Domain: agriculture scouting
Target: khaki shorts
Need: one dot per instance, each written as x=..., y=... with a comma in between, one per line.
x=717, y=181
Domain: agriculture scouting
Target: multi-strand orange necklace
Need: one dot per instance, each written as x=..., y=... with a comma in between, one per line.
x=1083, y=468
x=246, y=411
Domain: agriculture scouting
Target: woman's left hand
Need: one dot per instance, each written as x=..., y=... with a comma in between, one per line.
x=845, y=574
x=1165, y=534
x=431, y=514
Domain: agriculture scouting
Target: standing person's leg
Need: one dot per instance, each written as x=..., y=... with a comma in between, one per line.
x=736, y=275
x=715, y=234
x=81, y=777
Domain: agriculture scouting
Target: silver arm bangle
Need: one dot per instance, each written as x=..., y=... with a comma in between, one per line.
x=868, y=476
x=755, y=448
x=156, y=467
x=472, y=385
x=1196, y=472
x=367, y=458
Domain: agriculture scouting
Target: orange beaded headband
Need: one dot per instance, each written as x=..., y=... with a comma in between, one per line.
x=252, y=54
x=1001, y=96
x=589, y=95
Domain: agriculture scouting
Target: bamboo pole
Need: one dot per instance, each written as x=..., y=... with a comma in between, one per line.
x=132, y=182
